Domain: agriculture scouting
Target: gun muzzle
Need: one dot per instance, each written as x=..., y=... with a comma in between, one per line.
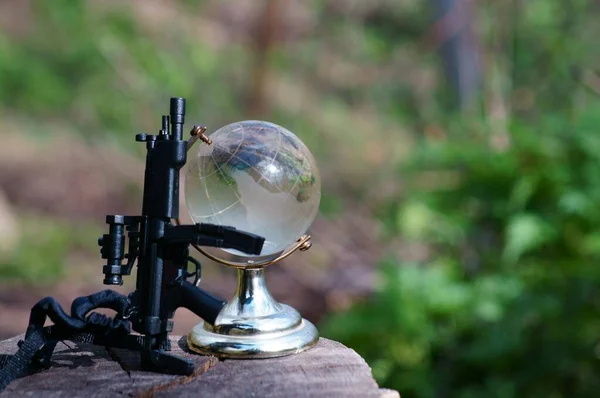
x=177, y=117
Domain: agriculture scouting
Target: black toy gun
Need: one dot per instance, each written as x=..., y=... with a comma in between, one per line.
x=161, y=250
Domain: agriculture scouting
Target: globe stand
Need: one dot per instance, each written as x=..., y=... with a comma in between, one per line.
x=253, y=324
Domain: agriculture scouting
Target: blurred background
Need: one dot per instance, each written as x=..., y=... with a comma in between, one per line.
x=458, y=238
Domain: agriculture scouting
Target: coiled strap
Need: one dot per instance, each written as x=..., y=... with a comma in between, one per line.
x=95, y=328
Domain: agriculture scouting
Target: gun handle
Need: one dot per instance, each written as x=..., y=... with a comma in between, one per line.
x=200, y=302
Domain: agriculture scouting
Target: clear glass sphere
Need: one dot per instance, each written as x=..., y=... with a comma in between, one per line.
x=258, y=177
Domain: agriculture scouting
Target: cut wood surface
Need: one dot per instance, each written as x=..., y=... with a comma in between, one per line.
x=78, y=370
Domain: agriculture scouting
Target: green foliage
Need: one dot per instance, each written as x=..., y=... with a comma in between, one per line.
x=99, y=67
x=44, y=248
x=508, y=304
x=421, y=313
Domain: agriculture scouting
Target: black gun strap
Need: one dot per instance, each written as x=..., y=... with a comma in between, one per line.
x=79, y=327
x=17, y=363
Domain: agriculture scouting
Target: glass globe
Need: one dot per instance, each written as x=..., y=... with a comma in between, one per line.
x=258, y=177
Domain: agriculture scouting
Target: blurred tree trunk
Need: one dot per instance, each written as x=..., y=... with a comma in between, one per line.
x=454, y=36
x=264, y=38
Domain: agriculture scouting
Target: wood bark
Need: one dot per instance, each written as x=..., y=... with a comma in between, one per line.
x=327, y=370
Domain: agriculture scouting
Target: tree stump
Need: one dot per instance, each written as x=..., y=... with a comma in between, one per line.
x=80, y=370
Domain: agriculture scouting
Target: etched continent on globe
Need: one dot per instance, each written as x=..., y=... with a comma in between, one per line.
x=258, y=177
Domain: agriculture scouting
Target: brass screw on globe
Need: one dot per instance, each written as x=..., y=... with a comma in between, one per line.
x=197, y=132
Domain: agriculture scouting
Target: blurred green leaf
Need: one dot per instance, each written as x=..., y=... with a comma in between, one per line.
x=415, y=220
x=576, y=203
x=523, y=191
x=524, y=233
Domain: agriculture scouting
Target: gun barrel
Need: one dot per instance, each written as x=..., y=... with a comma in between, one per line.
x=177, y=117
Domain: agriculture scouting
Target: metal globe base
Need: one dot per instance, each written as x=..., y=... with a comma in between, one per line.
x=253, y=325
